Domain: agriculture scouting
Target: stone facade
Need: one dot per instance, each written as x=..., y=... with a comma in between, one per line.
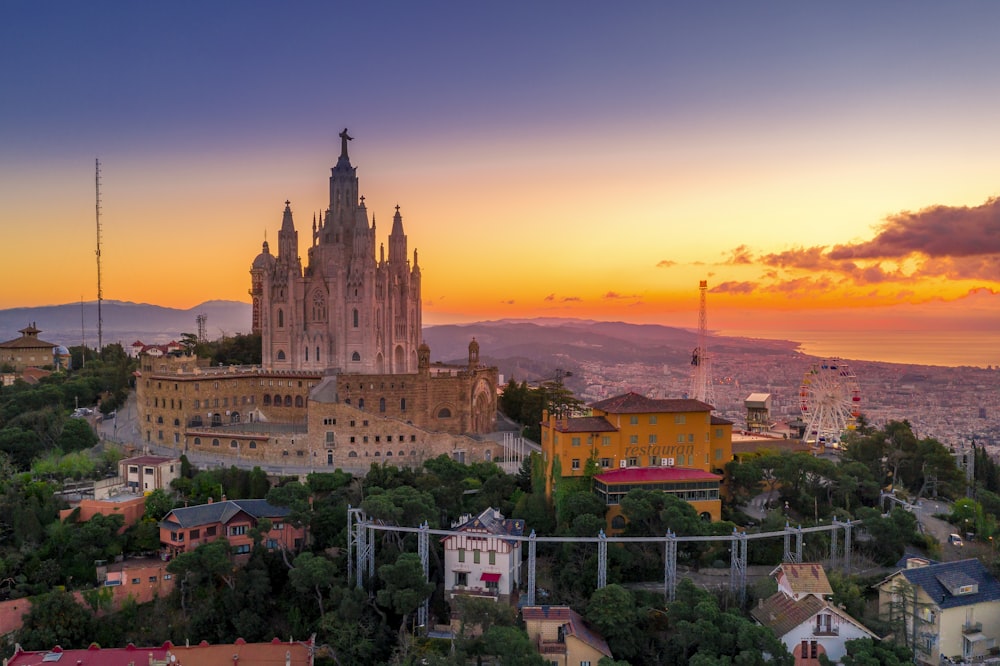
x=345, y=379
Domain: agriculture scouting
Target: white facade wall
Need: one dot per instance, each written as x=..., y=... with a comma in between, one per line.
x=833, y=645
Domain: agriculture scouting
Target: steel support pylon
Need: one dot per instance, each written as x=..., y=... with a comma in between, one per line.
x=847, y=547
x=670, y=566
x=834, y=553
x=602, y=560
x=530, y=601
x=738, y=566
x=798, y=545
x=422, y=548
x=786, y=555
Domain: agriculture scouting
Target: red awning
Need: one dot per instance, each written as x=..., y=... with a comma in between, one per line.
x=491, y=577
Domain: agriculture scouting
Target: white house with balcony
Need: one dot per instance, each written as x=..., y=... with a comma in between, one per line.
x=802, y=617
x=482, y=559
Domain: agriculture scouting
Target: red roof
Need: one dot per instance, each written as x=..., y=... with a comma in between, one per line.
x=656, y=475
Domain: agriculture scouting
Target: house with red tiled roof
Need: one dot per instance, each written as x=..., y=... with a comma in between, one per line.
x=479, y=560
x=562, y=637
x=803, y=618
x=241, y=653
x=698, y=488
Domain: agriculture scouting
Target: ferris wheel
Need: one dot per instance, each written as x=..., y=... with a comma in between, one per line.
x=830, y=401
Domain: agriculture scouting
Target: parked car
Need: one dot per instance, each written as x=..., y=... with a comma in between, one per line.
x=955, y=540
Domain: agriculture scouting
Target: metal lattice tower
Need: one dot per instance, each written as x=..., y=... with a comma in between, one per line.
x=798, y=544
x=847, y=548
x=834, y=553
x=531, y=569
x=602, y=560
x=738, y=566
x=202, y=319
x=97, y=214
x=701, y=361
x=422, y=547
x=670, y=566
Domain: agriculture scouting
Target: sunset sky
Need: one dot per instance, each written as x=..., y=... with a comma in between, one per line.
x=817, y=163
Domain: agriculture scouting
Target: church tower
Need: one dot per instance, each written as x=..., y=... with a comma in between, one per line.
x=345, y=312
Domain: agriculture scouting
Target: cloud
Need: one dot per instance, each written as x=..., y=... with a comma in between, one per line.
x=571, y=299
x=510, y=302
x=550, y=297
x=937, y=231
x=808, y=258
x=615, y=296
x=734, y=288
x=740, y=256
x=666, y=263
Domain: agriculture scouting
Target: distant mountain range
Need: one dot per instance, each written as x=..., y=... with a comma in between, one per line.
x=124, y=322
x=524, y=348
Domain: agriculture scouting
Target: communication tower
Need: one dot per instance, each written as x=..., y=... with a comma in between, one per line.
x=202, y=319
x=701, y=362
x=97, y=213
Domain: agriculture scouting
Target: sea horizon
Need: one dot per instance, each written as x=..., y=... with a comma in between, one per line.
x=969, y=348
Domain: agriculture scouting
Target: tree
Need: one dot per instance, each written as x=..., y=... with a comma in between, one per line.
x=56, y=619
x=868, y=652
x=511, y=646
x=158, y=505
x=405, y=587
x=613, y=612
x=312, y=574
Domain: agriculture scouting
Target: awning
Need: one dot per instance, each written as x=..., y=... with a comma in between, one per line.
x=490, y=577
x=972, y=638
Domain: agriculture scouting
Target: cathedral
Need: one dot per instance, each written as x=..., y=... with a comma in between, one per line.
x=345, y=311
x=345, y=379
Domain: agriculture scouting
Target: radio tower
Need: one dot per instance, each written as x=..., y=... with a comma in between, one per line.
x=97, y=212
x=701, y=361
x=202, y=334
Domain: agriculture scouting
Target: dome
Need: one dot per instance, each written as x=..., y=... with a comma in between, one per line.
x=265, y=259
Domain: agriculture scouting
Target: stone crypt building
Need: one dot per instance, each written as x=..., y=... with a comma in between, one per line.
x=345, y=378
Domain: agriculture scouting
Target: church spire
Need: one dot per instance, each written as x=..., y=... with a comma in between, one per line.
x=397, y=240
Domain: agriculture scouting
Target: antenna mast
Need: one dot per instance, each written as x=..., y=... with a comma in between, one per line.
x=701, y=362
x=97, y=212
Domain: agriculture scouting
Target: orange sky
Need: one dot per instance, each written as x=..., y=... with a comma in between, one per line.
x=814, y=182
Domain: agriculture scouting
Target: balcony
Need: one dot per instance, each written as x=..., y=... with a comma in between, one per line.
x=551, y=647
x=972, y=628
x=826, y=630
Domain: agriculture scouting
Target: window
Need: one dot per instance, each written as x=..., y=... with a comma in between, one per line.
x=281, y=355
x=444, y=413
x=237, y=530
x=355, y=313
x=618, y=523
x=718, y=454
x=253, y=445
x=652, y=419
x=281, y=318
x=576, y=463
x=679, y=419
x=718, y=432
x=633, y=462
x=633, y=420
x=633, y=439
x=210, y=531
x=690, y=438
x=242, y=549
x=680, y=438
x=381, y=404
x=402, y=404
x=461, y=578
x=461, y=555
x=606, y=440
x=575, y=441
x=605, y=462
x=475, y=556
x=136, y=581
x=493, y=557
x=355, y=357
x=233, y=444
x=215, y=442
x=652, y=439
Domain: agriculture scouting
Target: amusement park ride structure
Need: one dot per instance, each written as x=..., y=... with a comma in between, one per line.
x=830, y=401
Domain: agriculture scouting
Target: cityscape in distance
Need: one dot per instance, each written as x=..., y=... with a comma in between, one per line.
x=597, y=359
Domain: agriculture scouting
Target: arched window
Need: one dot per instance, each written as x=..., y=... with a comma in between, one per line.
x=159, y=419
x=381, y=404
x=355, y=317
x=281, y=318
x=361, y=403
x=347, y=401
x=618, y=523
x=288, y=401
x=388, y=454
x=413, y=453
x=177, y=422
x=197, y=441
x=267, y=399
x=215, y=442
x=253, y=445
x=444, y=413
x=317, y=353
x=281, y=355
x=488, y=455
x=216, y=419
x=402, y=404
x=307, y=353
x=355, y=357
x=378, y=454
x=402, y=453
x=352, y=454
x=233, y=444
x=277, y=400
x=234, y=417
x=298, y=401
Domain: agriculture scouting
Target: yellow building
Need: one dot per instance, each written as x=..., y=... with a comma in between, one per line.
x=562, y=637
x=631, y=430
x=27, y=351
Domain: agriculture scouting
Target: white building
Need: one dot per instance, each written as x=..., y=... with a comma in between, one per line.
x=802, y=617
x=480, y=560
